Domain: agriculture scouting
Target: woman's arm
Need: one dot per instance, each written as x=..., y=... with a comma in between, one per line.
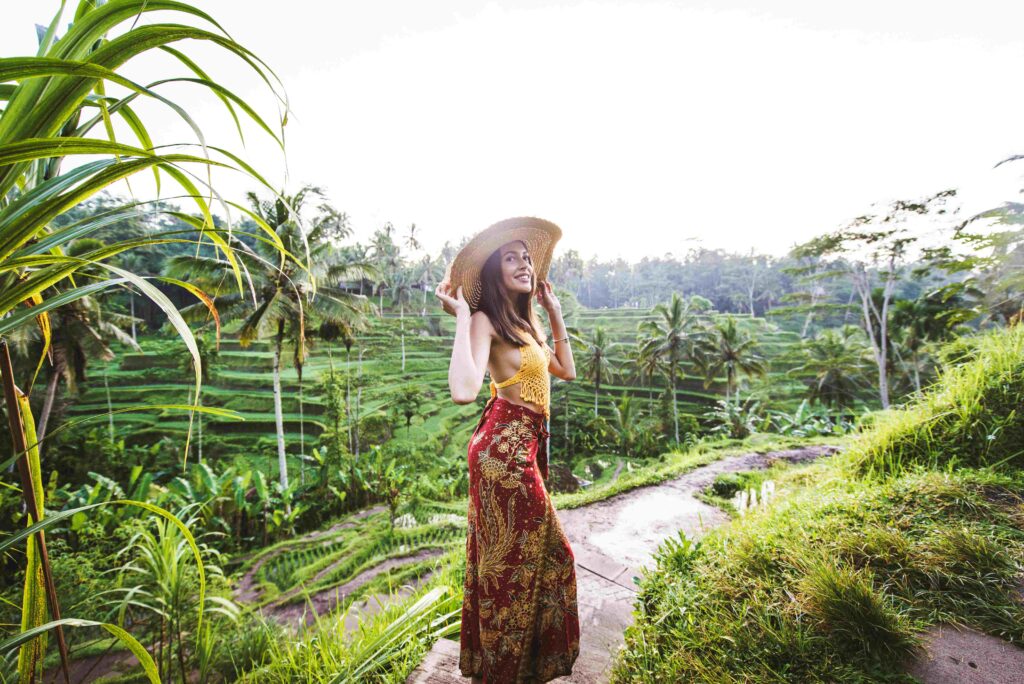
x=562, y=364
x=470, y=350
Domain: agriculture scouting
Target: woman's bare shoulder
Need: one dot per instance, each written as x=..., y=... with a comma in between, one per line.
x=481, y=318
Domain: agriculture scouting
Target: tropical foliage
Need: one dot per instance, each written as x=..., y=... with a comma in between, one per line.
x=220, y=408
x=62, y=107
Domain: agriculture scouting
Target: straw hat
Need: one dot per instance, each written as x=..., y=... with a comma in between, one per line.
x=538, y=235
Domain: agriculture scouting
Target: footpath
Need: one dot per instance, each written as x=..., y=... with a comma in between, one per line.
x=612, y=540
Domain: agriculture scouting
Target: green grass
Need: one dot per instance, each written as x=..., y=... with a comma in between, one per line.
x=324, y=652
x=920, y=522
x=973, y=417
x=835, y=582
x=677, y=463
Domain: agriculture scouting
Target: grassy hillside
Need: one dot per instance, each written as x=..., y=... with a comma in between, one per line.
x=920, y=522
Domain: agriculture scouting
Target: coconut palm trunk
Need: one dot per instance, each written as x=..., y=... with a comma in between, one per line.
x=348, y=398
x=302, y=435
x=131, y=300
x=675, y=399
x=282, y=462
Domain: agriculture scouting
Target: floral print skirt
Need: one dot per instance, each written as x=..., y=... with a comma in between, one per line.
x=519, y=619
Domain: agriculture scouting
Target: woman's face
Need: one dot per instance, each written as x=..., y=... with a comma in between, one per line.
x=516, y=267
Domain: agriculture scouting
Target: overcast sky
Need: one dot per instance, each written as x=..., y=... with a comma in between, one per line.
x=639, y=127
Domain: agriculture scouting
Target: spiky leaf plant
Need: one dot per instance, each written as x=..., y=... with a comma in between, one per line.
x=63, y=114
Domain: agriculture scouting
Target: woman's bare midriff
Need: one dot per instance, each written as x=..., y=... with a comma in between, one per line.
x=505, y=392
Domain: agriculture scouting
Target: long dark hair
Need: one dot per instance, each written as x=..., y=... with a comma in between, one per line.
x=511, y=315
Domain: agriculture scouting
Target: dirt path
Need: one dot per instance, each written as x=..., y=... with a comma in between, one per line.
x=618, y=469
x=248, y=590
x=91, y=668
x=323, y=602
x=612, y=540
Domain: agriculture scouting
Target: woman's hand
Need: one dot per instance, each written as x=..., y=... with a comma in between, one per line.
x=547, y=299
x=458, y=303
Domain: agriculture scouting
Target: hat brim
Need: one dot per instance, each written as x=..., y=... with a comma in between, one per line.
x=538, y=235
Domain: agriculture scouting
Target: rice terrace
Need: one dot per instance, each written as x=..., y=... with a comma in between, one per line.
x=243, y=437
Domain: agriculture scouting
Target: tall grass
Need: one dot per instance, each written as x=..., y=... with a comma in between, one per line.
x=835, y=582
x=973, y=416
x=383, y=648
x=919, y=523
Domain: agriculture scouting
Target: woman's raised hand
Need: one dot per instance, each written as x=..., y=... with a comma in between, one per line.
x=458, y=303
x=546, y=297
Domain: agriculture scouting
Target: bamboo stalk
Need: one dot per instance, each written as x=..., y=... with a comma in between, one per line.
x=11, y=393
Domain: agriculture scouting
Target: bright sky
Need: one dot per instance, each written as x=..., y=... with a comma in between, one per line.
x=637, y=126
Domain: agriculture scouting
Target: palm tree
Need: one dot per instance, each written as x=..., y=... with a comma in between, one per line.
x=631, y=372
x=642, y=366
x=835, y=364
x=933, y=317
x=412, y=241
x=649, y=364
x=79, y=333
x=329, y=332
x=429, y=271
x=671, y=337
x=362, y=266
x=729, y=350
x=386, y=258
x=289, y=296
x=624, y=423
x=596, y=362
x=560, y=394
x=402, y=286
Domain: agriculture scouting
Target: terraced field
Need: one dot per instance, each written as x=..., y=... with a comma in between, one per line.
x=354, y=559
x=242, y=382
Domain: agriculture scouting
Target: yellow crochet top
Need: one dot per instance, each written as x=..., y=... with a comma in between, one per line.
x=533, y=374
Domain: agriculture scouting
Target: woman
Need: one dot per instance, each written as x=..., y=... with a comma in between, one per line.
x=519, y=619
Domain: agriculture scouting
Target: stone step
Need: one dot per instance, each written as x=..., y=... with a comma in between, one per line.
x=440, y=666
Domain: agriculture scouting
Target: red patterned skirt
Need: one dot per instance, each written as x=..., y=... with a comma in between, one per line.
x=519, y=620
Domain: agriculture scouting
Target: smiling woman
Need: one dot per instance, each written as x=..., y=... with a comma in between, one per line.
x=519, y=613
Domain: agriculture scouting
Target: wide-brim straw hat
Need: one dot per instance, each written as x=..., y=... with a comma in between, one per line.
x=538, y=235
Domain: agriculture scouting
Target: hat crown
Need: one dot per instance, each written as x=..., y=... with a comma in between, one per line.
x=539, y=236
